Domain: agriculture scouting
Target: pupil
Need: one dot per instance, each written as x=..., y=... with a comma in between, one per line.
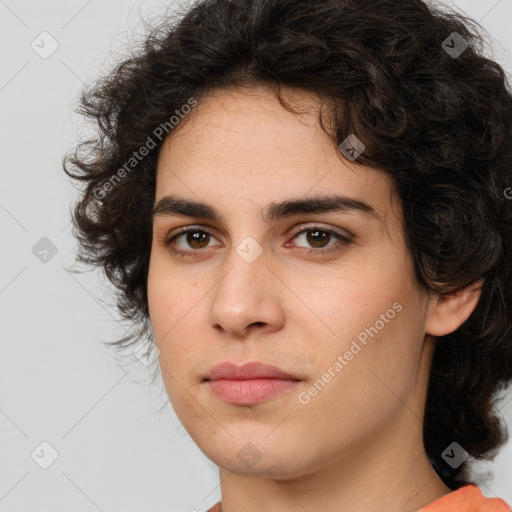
x=315, y=237
x=195, y=238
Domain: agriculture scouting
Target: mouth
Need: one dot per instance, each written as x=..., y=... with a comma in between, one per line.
x=249, y=384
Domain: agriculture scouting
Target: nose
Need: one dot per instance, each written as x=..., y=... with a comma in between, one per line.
x=246, y=298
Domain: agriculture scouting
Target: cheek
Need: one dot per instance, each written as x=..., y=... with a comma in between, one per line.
x=166, y=296
x=341, y=308
x=163, y=313
x=174, y=304
x=369, y=319
x=173, y=341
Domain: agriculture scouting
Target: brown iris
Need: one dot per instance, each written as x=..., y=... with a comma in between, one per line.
x=317, y=237
x=196, y=237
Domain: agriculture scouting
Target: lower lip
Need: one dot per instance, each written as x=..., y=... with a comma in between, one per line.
x=249, y=391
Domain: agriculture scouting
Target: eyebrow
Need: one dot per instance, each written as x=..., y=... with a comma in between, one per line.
x=174, y=205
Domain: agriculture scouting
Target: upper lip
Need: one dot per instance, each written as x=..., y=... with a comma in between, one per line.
x=252, y=370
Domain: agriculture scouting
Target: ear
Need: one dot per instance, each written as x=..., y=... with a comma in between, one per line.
x=447, y=312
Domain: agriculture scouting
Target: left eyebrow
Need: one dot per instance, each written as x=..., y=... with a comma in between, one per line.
x=174, y=205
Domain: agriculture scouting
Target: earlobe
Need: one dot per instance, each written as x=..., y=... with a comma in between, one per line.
x=448, y=312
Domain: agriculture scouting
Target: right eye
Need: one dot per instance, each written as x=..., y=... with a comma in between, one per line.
x=193, y=239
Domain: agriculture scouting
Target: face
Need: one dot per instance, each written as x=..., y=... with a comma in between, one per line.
x=323, y=291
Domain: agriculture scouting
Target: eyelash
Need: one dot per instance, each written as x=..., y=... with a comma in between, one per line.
x=198, y=229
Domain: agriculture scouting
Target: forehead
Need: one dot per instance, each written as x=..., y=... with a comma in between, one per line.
x=232, y=117
x=243, y=142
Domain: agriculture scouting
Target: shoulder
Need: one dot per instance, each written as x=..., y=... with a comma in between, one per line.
x=468, y=498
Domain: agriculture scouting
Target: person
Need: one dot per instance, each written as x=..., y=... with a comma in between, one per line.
x=306, y=207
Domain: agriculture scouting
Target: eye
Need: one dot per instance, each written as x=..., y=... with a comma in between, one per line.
x=319, y=237
x=193, y=237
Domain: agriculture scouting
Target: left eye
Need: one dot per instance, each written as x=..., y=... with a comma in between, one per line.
x=317, y=237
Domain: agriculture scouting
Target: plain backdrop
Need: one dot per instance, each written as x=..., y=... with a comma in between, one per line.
x=110, y=442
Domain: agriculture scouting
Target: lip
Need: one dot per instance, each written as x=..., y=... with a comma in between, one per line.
x=254, y=370
x=248, y=384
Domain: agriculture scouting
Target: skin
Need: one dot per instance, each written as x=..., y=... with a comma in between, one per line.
x=359, y=440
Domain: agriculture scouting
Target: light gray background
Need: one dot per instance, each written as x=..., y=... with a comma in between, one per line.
x=116, y=450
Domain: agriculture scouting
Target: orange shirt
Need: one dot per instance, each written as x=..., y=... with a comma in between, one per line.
x=465, y=499
x=468, y=498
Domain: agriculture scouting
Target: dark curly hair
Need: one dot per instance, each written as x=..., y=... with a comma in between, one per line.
x=438, y=123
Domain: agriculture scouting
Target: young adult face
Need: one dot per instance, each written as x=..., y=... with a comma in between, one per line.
x=245, y=289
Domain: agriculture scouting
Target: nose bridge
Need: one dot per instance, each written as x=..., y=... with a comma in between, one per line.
x=245, y=294
x=245, y=279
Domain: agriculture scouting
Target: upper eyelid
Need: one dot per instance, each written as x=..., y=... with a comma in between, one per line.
x=321, y=228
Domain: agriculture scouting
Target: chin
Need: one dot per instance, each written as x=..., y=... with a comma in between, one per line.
x=260, y=459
